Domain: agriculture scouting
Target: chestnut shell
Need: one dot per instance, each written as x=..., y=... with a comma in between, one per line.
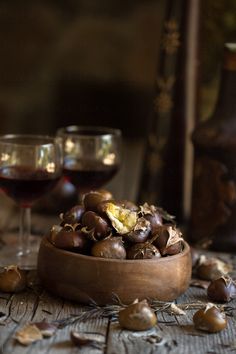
x=137, y=317
x=143, y=250
x=94, y=198
x=70, y=240
x=111, y=247
x=96, y=226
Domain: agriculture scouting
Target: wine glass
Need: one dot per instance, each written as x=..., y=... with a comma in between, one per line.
x=30, y=166
x=92, y=155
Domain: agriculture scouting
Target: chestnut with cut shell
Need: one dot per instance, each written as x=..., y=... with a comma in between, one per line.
x=69, y=238
x=151, y=214
x=72, y=216
x=95, y=226
x=210, y=319
x=111, y=247
x=123, y=220
x=168, y=240
x=140, y=232
x=222, y=289
x=12, y=279
x=137, y=317
x=211, y=268
x=143, y=250
x=92, y=199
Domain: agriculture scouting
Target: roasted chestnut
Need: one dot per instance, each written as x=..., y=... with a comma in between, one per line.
x=93, y=198
x=111, y=247
x=72, y=216
x=69, y=238
x=211, y=268
x=222, y=289
x=95, y=226
x=137, y=317
x=151, y=214
x=143, y=251
x=123, y=220
x=168, y=240
x=140, y=232
x=210, y=319
x=12, y=279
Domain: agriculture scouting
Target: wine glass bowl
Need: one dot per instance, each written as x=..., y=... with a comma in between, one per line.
x=92, y=155
x=30, y=166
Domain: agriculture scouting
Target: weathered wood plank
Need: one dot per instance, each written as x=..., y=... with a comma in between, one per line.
x=20, y=308
x=155, y=340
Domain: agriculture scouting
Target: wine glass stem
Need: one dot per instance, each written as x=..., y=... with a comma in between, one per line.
x=25, y=225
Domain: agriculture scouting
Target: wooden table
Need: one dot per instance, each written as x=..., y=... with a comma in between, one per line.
x=173, y=334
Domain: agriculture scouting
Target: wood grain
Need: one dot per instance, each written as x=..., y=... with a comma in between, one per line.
x=85, y=278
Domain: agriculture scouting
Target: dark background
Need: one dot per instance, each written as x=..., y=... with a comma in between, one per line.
x=95, y=62
x=77, y=62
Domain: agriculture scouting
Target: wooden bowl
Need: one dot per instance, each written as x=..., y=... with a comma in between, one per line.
x=82, y=278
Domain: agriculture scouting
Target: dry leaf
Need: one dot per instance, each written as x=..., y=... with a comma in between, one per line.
x=83, y=339
x=47, y=329
x=35, y=331
x=28, y=334
x=198, y=283
x=175, y=310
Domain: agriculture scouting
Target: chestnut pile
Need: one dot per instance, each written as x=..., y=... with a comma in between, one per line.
x=108, y=228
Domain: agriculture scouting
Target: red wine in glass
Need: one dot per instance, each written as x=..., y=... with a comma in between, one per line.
x=85, y=175
x=25, y=184
x=30, y=166
x=92, y=155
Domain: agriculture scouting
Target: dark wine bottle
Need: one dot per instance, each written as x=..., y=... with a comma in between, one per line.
x=213, y=212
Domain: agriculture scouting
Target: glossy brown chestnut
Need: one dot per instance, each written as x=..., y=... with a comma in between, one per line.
x=211, y=268
x=96, y=226
x=111, y=247
x=93, y=198
x=72, y=216
x=69, y=239
x=12, y=279
x=222, y=289
x=137, y=317
x=155, y=221
x=143, y=251
x=168, y=240
x=210, y=319
x=151, y=213
x=140, y=233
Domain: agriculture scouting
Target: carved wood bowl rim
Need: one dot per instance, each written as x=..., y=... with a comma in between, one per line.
x=186, y=249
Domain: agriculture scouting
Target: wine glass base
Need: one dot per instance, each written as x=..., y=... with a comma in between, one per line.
x=10, y=256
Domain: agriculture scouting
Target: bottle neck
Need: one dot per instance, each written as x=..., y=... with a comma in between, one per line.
x=226, y=103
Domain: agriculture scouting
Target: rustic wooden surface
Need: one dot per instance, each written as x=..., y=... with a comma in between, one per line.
x=173, y=334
